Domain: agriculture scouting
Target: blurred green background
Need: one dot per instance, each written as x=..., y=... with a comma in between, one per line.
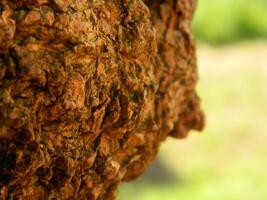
x=228, y=160
x=227, y=21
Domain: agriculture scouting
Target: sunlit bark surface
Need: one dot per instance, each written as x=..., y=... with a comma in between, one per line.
x=89, y=90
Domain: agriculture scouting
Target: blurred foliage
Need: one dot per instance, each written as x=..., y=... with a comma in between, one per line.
x=226, y=21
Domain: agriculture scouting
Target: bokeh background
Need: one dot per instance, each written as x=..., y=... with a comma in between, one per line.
x=228, y=160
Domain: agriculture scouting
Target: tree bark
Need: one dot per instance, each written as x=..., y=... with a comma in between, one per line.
x=89, y=90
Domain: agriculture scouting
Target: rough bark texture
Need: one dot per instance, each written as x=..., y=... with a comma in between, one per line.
x=88, y=90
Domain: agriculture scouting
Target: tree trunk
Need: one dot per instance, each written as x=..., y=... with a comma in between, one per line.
x=88, y=90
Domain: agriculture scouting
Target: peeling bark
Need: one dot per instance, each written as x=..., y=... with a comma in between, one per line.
x=89, y=90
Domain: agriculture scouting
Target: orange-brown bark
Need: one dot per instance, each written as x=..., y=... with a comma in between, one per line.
x=89, y=90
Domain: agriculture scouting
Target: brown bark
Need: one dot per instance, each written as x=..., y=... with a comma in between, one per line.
x=88, y=90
